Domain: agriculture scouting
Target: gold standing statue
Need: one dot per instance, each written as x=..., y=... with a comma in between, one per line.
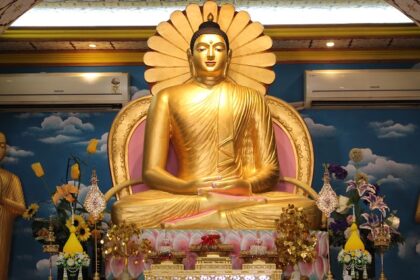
x=12, y=204
x=218, y=122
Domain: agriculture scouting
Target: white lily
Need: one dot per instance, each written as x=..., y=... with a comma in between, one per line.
x=343, y=204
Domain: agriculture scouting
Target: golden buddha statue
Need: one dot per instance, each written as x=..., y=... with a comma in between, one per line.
x=12, y=204
x=223, y=137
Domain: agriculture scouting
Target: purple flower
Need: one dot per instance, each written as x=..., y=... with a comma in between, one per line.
x=362, y=189
x=338, y=225
x=337, y=171
x=372, y=221
x=376, y=202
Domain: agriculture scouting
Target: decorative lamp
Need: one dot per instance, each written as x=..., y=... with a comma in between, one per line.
x=50, y=247
x=95, y=204
x=327, y=202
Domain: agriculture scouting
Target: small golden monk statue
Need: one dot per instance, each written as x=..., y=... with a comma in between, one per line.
x=223, y=137
x=11, y=205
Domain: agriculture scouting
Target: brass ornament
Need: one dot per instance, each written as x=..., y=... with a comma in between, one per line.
x=294, y=242
x=168, y=61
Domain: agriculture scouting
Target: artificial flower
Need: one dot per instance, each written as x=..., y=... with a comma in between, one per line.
x=75, y=171
x=361, y=188
x=361, y=178
x=66, y=192
x=83, y=233
x=393, y=221
x=91, y=148
x=77, y=222
x=38, y=170
x=343, y=204
x=376, y=202
x=31, y=211
x=337, y=171
x=356, y=155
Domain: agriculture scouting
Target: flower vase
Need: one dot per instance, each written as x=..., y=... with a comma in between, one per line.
x=72, y=274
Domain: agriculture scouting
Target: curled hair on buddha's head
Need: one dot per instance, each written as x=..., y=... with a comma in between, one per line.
x=209, y=27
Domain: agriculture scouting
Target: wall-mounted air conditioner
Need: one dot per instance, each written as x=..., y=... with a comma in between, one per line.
x=62, y=90
x=343, y=88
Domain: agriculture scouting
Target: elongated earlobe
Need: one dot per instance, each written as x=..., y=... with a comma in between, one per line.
x=225, y=71
x=191, y=63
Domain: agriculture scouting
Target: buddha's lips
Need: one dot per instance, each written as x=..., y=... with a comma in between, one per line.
x=210, y=63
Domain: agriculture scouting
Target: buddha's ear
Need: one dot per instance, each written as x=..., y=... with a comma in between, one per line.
x=190, y=62
x=229, y=56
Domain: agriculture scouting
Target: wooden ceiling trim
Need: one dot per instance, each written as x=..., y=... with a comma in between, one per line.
x=94, y=58
x=276, y=32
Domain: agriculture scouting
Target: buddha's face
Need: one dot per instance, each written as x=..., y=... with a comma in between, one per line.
x=2, y=146
x=210, y=56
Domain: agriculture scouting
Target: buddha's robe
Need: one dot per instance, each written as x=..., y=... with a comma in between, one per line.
x=226, y=132
x=10, y=188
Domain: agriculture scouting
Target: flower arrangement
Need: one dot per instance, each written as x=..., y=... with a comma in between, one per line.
x=294, y=242
x=72, y=263
x=67, y=210
x=370, y=208
x=359, y=257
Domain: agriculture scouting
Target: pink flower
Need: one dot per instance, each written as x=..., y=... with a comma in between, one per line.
x=181, y=242
x=376, y=202
x=135, y=266
x=349, y=219
x=117, y=266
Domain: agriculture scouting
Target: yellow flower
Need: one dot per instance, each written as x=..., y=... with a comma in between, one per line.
x=91, y=148
x=75, y=171
x=31, y=211
x=66, y=192
x=83, y=233
x=38, y=170
x=78, y=222
x=356, y=155
x=361, y=178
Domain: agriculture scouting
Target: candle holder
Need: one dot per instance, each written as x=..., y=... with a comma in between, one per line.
x=381, y=241
x=50, y=247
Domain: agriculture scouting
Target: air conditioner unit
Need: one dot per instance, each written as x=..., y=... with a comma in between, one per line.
x=64, y=90
x=343, y=88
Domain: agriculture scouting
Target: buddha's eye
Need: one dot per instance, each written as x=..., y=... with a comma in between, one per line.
x=201, y=49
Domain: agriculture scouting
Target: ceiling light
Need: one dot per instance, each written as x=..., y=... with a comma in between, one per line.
x=330, y=44
x=92, y=46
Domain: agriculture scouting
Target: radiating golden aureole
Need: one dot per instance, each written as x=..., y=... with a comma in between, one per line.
x=12, y=204
x=219, y=123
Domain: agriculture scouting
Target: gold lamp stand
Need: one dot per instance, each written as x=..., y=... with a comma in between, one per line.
x=381, y=241
x=50, y=247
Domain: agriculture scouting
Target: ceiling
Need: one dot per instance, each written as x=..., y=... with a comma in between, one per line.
x=126, y=45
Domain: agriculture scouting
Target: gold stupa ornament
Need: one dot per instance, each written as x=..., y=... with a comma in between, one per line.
x=95, y=202
x=354, y=257
x=72, y=245
x=327, y=200
x=250, y=64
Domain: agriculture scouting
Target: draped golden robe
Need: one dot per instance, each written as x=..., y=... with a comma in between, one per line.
x=224, y=131
x=10, y=188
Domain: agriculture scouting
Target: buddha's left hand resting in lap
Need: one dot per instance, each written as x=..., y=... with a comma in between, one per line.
x=223, y=137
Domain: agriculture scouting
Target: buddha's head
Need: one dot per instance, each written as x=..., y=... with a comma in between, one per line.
x=209, y=53
x=2, y=145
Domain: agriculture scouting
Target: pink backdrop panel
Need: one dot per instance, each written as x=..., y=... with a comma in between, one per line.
x=135, y=158
x=286, y=156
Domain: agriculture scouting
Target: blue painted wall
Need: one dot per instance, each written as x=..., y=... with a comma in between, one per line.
x=389, y=137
